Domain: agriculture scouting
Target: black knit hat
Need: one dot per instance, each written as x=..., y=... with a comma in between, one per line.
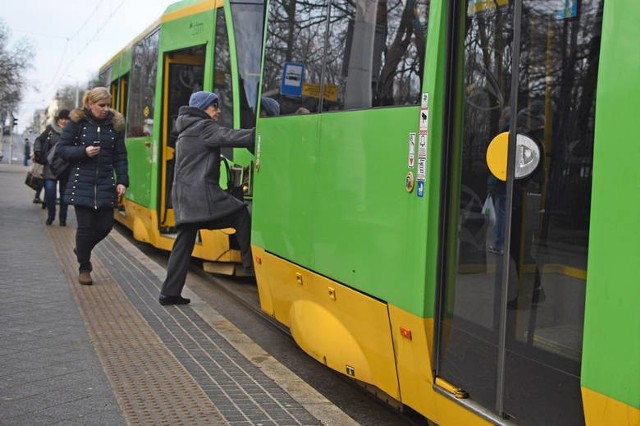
x=62, y=114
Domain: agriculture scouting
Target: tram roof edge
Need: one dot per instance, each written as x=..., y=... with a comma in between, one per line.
x=174, y=11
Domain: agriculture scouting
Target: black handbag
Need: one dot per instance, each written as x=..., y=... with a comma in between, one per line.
x=35, y=177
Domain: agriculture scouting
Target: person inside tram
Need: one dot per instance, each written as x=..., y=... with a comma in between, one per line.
x=198, y=200
x=269, y=107
x=27, y=152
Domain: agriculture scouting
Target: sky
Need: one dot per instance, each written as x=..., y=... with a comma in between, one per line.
x=72, y=39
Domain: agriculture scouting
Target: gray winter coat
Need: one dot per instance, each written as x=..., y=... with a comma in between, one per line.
x=92, y=180
x=197, y=196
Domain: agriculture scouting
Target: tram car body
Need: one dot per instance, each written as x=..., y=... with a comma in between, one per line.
x=371, y=236
x=195, y=45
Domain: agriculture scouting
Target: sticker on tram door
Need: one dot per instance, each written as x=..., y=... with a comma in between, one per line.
x=424, y=101
x=412, y=150
x=420, y=189
x=424, y=119
x=422, y=146
x=422, y=168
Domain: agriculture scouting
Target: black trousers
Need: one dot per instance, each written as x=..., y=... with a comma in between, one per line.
x=93, y=226
x=183, y=246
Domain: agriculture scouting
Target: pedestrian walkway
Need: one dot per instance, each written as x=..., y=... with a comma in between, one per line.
x=110, y=354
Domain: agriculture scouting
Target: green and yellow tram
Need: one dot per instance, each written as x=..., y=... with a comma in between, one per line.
x=195, y=45
x=446, y=208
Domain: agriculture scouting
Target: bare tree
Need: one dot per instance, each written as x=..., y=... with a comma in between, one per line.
x=68, y=96
x=13, y=63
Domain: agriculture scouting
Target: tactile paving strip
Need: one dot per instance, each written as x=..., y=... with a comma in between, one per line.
x=150, y=384
x=162, y=361
x=240, y=390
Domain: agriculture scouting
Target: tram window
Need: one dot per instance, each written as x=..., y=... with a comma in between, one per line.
x=294, y=37
x=105, y=77
x=376, y=53
x=222, y=71
x=248, y=20
x=142, y=84
x=114, y=94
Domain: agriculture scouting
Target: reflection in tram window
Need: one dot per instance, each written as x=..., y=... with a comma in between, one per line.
x=143, y=84
x=374, y=54
x=542, y=255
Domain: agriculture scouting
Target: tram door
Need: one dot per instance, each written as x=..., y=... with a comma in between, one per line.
x=183, y=75
x=521, y=129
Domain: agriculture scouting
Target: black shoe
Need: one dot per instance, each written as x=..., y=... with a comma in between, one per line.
x=63, y=223
x=49, y=221
x=173, y=300
x=37, y=201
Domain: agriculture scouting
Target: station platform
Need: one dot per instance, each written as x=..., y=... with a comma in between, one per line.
x=110, y=354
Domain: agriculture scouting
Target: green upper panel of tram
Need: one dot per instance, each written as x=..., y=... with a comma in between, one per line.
x=331, y=190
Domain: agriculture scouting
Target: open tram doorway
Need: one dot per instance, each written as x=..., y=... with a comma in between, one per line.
x=183, y=75
x=512, y=288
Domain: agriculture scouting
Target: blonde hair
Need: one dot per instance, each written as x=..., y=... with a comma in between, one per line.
x=95, y=95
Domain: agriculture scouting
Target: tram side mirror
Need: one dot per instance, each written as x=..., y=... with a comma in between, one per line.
x=527, y=156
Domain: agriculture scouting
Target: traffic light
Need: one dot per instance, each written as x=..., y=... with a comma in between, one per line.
x=15, y=122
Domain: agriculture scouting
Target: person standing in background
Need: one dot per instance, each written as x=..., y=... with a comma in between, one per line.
x=269, y=107
x=42, y=146
x=27, y=152
x=35, y=157
x=93, y=142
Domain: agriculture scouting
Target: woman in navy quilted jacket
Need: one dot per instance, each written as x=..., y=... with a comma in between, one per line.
x=93, y=142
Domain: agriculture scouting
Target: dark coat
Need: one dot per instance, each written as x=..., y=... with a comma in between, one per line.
x=43, y=144
x=91, y=180
x=197, y=196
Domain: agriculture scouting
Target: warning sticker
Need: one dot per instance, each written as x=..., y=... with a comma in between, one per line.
x=422, y=168
x=412, y=150
x=424, y=119
x=422, y=146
